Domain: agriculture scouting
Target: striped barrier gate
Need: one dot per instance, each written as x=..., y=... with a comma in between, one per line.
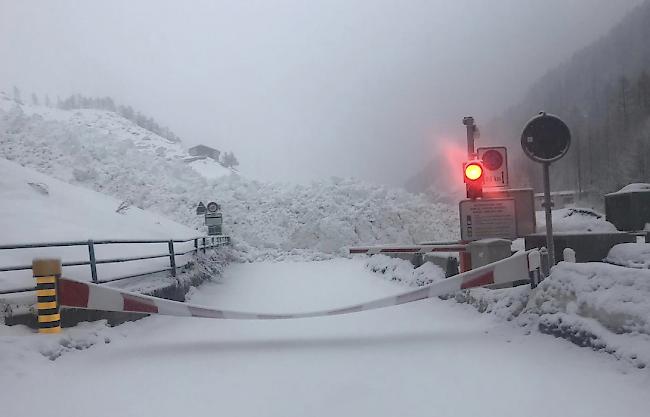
x=87, y=295
x=421, y=249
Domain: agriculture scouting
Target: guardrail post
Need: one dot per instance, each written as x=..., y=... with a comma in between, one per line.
x=203, y=245
x=172, y=257
x=47, y=273
x=196, y=245
x=93, y=261
x=546, y=262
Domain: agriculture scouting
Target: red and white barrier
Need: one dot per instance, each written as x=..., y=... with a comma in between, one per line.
x=412, y=249
x=97, y=297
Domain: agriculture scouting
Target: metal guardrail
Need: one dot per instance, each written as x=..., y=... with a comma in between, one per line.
x=200, y=243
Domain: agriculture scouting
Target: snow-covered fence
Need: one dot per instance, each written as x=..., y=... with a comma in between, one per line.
x=175, y=248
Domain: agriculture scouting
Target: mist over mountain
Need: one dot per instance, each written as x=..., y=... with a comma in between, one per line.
x=603, y=94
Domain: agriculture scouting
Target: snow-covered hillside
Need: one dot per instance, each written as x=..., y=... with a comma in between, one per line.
x=106, y=153
x=37, y=208
x=110, y=124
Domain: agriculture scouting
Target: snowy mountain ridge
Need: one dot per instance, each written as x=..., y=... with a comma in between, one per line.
x=119, y=128
x=109, y=154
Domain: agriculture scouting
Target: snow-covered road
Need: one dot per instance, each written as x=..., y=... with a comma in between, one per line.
x=429, y=358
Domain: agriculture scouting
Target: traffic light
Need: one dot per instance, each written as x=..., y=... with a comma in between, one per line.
x=473, y=177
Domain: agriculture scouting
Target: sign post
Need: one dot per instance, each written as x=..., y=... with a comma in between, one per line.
x=213, y=219
x=545, y=139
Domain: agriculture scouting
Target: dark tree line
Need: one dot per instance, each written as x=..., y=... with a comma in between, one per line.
x=603, y=94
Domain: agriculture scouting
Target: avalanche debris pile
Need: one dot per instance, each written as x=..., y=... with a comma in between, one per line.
x=107, y=153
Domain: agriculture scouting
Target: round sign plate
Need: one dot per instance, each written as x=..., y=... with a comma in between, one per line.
x=492, y=160
x=546, y=138
x=213, y=207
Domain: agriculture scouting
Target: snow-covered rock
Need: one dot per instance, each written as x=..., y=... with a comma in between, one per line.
x=632, y=255
x=581, y=220
x=402, y=271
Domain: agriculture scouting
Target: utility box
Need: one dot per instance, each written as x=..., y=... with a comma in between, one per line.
x=629, y=208
x=589, y=247
x=524, y=207
x=486, y=251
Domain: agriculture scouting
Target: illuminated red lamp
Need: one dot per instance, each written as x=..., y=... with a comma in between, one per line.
x=473, y=177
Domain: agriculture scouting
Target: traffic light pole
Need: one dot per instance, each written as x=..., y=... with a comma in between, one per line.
x=469, y=124
x=548, y=205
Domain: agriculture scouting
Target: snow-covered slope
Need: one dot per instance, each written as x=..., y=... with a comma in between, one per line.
x=264, y=219
x=113, y=125
x=37, y=208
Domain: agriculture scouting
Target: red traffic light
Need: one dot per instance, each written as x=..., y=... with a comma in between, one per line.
x=473, y=171
x=474, y=179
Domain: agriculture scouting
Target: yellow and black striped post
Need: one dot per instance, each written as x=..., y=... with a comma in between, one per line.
x=47, y=272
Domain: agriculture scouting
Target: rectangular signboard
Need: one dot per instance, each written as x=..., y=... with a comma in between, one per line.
x=495, y=162
x=485, y=219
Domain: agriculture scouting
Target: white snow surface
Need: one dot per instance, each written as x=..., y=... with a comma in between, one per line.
x=420, y=359
x=37, y=208
x=209, y=169
x=106, y=153
x=632, y=255
x=603, y=306
x=571, y=220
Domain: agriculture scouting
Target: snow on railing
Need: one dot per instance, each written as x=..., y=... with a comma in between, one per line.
x=201, y=243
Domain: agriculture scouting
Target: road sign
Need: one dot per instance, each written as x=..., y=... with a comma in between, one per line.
x=485, y=219
x=546, y=138
x=495, y=163
x=200, y=209
x=213, y=207
x=213, y=219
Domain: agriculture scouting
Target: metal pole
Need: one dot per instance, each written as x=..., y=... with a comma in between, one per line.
x=172, y=257
x=548, y=205
x=93, y=261
x=469, y=123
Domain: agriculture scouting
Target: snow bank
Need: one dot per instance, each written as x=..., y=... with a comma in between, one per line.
x=402, y=271
x=265, y=220
x=632, y=255
x=596, y=305
x=633, y=188
x=575, y=220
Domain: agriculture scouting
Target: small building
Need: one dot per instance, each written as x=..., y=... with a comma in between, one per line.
x=204, y=151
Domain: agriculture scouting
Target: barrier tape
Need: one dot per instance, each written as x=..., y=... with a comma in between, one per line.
x=96, y=297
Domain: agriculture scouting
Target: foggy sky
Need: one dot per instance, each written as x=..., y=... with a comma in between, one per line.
x=301, y=90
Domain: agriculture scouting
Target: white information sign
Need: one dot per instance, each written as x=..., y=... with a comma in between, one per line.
x=495, y=162
x=486, y=219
